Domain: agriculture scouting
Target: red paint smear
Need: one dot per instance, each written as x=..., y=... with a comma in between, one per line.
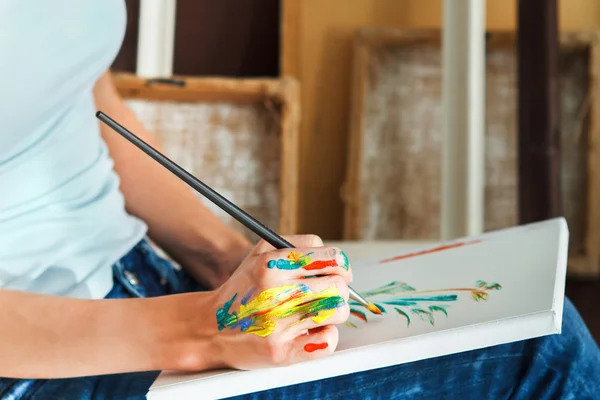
x=434, y=250
x=296, y=293
x=359, y=315
x=310, y=347
x=321, y=264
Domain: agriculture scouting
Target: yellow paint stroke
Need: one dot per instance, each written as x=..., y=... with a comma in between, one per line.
x=260, y=315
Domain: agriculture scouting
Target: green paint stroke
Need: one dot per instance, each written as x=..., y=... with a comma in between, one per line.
x=224, y=318
x=296, y=260
x=424, y=315
x=438, y=308
x=425, y=303
x=359, y=314
x=399, y=311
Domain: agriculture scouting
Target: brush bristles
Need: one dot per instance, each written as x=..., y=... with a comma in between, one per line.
x=374, y=309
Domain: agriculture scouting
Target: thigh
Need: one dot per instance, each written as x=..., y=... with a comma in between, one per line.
x=471, y=375
x=132, y=386
x=565, y=366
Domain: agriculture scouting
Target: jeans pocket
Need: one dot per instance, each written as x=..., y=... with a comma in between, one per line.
x=170, y=278
x=144, y=273
x=128, y=281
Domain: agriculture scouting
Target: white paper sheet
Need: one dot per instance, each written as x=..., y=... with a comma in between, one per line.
x=520, y=294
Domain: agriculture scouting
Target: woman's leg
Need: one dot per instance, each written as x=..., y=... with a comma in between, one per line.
x=565, y=366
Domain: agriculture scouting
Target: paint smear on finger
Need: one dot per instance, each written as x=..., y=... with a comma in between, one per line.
x=310, y=347
x=296, y=260
x=260, y=315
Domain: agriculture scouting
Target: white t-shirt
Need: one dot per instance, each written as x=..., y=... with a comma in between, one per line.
x=62, y=217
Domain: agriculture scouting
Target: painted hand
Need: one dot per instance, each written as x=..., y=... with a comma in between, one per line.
x=275, y=311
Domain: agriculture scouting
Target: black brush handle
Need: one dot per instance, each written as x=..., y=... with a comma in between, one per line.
x=240, y=215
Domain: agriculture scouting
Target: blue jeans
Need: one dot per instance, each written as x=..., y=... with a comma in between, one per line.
x=565, y=366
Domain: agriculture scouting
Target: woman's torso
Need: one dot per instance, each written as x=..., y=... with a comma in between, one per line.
x=62, y=217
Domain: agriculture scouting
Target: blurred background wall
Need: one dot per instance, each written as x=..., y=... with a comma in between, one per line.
x=323, y=65
x=227, y=38
x=242, y=38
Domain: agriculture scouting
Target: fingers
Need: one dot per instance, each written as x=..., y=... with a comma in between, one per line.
x=297, y=240
x=276, y=309
x=319, y=342
x=328, y=305
x=304, y=262
x=327, y=286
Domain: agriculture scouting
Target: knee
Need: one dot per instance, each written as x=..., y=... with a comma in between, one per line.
x=575, y=343
x=573, y=327
x=566, y=364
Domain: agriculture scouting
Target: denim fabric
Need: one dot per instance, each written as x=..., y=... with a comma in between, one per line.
x=565, y=366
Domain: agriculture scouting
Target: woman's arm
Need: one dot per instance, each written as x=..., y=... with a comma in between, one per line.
x=56, y=337
x=178, y=221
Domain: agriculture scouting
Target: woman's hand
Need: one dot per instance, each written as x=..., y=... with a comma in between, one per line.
x=273, y=311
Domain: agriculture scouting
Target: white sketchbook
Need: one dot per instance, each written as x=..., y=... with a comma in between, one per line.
x=456, y=296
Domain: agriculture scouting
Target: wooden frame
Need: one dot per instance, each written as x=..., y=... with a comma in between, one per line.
x=290, y=38
x=281, y=94
x=370, y=39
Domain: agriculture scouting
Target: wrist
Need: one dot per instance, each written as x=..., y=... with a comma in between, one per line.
x=211, y=261
x=199, y=239
x=184, y=332
x=224, y=245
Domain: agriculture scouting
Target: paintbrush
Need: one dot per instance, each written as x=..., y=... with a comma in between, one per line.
x=240, y=215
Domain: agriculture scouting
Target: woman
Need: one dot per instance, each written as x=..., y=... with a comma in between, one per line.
x=90, y=311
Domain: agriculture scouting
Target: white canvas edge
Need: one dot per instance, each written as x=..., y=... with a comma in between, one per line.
x=561, y=272
x=384, y=354
x=392, y=352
